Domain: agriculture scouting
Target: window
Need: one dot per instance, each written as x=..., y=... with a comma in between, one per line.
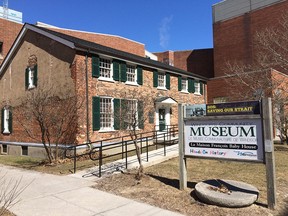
x=220, y=100
x=106, y=114
x=24, y=150
x=6, y=119
x=132, y=113
x=1, y=50
x=197, y=88
x=31, y=77
x=161, y=80
x=131, y=74
x=4, y=149
x=184, y=85
x=105, y=68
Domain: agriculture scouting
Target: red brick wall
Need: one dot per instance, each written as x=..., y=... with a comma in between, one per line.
x=112, y=41
x=196, y=61
x=8, y=33
x=233, y=38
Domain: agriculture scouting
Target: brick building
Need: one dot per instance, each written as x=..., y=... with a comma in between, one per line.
x=235, y=24
x=101, y=76
x=8, y=33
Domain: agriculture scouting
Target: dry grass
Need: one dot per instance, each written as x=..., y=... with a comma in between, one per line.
x=160, y=185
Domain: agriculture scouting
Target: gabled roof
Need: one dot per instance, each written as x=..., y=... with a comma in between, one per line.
x=94, y=48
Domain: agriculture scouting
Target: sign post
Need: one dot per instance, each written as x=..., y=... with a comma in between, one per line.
x=269, y=152
x=239, y=131
x=182, y=159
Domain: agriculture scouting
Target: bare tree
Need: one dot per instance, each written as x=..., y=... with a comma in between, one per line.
x=10, y=190
x=267, y=75
x=132, y=113
x=50, y=119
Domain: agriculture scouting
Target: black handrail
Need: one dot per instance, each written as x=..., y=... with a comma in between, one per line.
x=121, y=142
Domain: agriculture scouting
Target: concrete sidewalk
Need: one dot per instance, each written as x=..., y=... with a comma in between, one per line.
x=52, y=195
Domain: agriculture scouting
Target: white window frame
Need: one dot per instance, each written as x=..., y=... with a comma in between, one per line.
x=111, y=127
x=131, y=70
x=6, y=121
x=102, y=67
x=197, y=88
x=185, y=80
x=31, y=83
x=162, y=77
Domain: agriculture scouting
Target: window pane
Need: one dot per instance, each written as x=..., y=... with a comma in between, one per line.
x=184, y=84
x=161, y=80
x=105, y=68
x=105, y=113
x=131, y=73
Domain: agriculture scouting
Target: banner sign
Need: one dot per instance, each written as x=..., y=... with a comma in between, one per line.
x=237, y=108
x=239, y=139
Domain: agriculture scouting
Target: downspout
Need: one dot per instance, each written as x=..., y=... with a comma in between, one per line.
x=87, y=100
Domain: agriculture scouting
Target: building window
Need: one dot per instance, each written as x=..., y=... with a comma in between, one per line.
x=4, y=149
x=131, y=74
x=6, y=119
x=184, y=85
x=105, y=67
x=31, y=77
x=106, y=114
x=197, y=88
x=161, y=80
x=220, y=100
x=132, y=114
x=1, y=50
x=24, y=150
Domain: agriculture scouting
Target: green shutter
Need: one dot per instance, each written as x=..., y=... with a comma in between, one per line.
x=155, y=78
x=117, y=113
x=167, y=81
x=10, y=121
x=124, y=107
x=140, y=115
x=123, y=72
x=95, y=66
x=27, y=78
x=35, y=77
x=2, y=120
x=96, y=113
x=139, y=75
x=201, y=88
x=179, y=83
x=116, y=70
x=191, y=85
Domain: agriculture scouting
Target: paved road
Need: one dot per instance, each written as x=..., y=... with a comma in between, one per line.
x=52, y=195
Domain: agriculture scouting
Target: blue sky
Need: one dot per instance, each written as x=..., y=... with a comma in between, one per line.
x=160, y=24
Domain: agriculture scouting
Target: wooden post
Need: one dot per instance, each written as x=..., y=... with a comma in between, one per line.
x=269, y=152
x=182, y=159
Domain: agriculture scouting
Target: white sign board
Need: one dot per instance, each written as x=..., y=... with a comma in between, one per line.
x=239, y=139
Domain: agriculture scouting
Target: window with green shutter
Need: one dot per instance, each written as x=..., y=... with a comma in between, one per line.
x=139, y=75
x=155, y=78
x=31, y=77
x=96, y=113
x=117, y=114
x=140, y=115
x=95, y=66
x=116, y=70
x=179, y=83
x=167, y=81
x=201, y=88
x=123, y=69
x=6, y=121
x=191, y=85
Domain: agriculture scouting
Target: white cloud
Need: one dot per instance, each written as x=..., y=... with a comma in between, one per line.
x=164, y=31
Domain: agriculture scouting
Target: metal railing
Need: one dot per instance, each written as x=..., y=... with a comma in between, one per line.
x=122, y=147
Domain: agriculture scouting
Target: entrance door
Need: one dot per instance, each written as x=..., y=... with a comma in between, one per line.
x=162, y=122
